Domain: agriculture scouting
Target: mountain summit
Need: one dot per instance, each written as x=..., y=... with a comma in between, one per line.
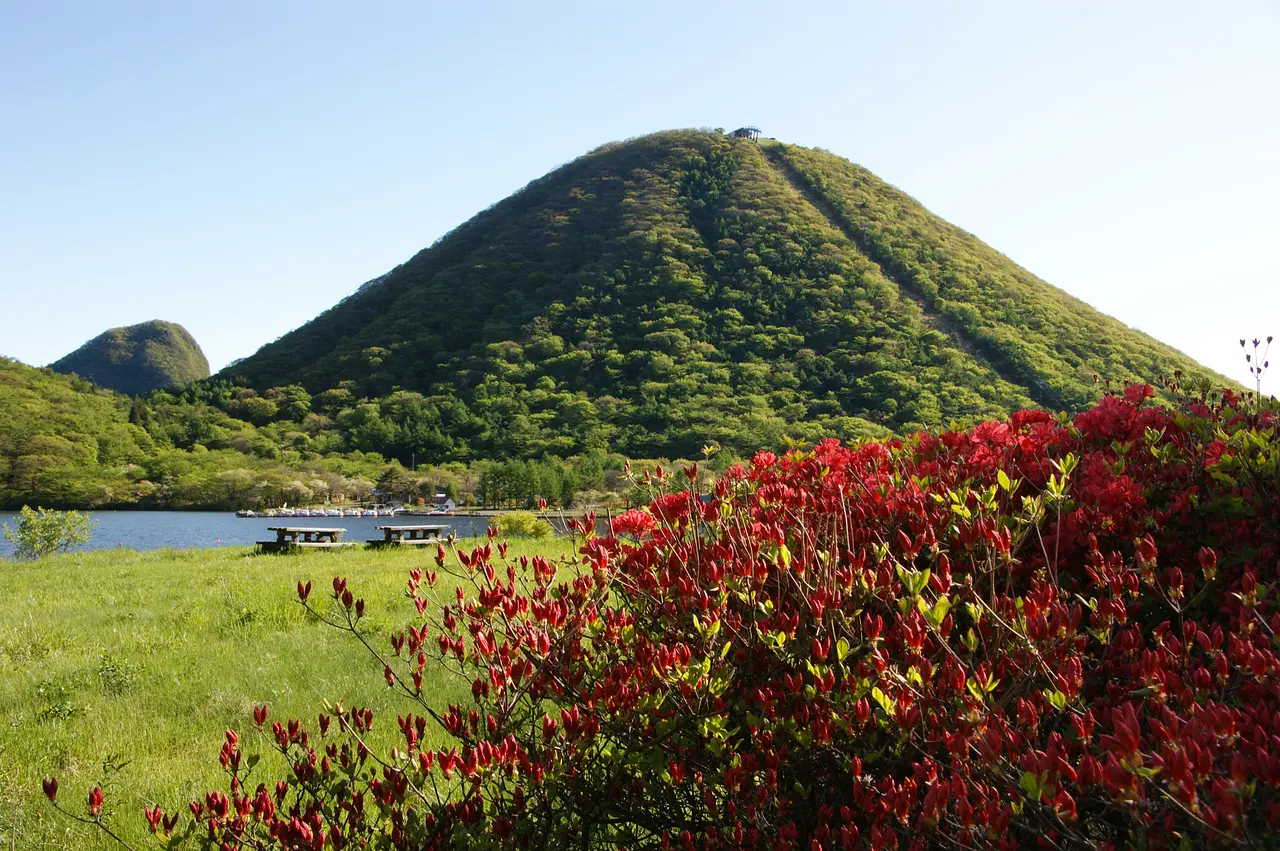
x=687, y=288
x=138, y=358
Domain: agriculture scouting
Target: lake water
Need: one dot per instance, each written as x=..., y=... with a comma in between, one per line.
x=153, y=530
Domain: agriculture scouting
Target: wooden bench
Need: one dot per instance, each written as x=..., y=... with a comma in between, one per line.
x=407, y=535
x=289, y=538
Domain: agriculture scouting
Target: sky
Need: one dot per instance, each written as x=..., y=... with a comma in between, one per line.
x=238, y=167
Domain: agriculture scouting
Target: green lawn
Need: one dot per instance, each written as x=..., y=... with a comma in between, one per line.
x=147, y=657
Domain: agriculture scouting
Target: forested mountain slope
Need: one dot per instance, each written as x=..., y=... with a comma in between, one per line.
x=686, y=288
x=65, y=442
x=60, y=436
x=138, y=358
x=1035, y=334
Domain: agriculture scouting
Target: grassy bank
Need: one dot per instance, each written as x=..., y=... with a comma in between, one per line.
x=145, y=658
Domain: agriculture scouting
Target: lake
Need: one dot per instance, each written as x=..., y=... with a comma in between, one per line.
x=153, y=530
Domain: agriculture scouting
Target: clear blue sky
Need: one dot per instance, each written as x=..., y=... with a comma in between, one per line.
x=240, y=166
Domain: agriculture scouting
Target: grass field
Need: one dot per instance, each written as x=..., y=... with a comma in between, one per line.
x=145, y=658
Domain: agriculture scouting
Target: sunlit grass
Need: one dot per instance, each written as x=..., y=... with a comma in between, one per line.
x=145, y=658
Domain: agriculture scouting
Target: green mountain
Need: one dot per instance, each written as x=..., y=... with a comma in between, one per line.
x=647, y=299
x=137, y=359
x=687, y=288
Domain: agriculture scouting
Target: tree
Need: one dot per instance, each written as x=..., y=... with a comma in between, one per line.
x=396, y=483
x=41, y=532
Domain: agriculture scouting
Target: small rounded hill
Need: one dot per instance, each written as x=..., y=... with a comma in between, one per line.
x=138, y=358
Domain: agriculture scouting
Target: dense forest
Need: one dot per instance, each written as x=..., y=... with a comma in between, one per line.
x=1034, y=335
x=688, y=288
x=139, y=358
x=65, y=442
x=654, y=297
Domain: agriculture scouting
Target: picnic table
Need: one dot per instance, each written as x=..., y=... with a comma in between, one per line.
x=289, y=537
x=411, y=535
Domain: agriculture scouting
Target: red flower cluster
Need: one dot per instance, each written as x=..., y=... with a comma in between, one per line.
x=1036, y=633
x=633, y=523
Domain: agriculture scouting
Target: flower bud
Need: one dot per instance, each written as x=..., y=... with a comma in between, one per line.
x=1208, y=562
x=95, y=801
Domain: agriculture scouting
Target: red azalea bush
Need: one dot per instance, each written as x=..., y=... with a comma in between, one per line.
x=1032, y=633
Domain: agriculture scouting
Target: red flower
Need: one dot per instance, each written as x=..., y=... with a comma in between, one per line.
x=1134, y=394
x=1126, y=740
x=1208, y=563
x=763, y=460
x=634, y=522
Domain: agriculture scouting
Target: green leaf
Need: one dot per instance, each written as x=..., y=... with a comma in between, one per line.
x=1222, y=478
x=914, y=581
x=938, y=613
x=1003, y=479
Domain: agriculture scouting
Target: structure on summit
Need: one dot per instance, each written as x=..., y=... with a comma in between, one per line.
x=752, y=133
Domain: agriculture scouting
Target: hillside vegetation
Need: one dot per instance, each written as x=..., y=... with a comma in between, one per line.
x=651, y=298
x=1035, y=335
x=59, y=434
x=139, y=358
x=686, y=288
x=65, y=442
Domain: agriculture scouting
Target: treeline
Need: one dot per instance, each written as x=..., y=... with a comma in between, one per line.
x=65, y=443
